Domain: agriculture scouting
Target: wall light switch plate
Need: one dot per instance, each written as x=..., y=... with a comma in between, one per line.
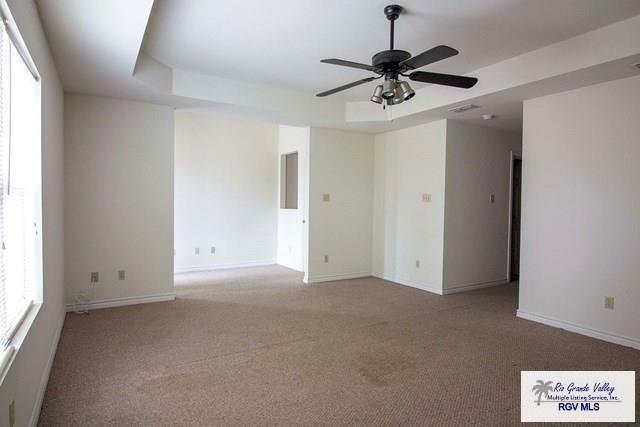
x=197, y=251
x=326, y=197
x=326, y=258
x=417, y=263
x=608, y=303
x=493, y=198
x=95, y=277
x=120, y=274
x=213, y=249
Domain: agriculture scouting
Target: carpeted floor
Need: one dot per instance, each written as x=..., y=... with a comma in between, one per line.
x=255, y=346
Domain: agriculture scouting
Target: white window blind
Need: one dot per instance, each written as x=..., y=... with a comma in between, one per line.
x=19, y=185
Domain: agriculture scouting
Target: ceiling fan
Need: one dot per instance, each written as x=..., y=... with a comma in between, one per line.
x=393, y=63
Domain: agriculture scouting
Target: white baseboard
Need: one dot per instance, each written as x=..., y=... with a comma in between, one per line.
x=473, y=286
x=334, y=277
x=44, y=380
x=119, y=302
x=578, y=329
x=194, y=269
x=422, y=286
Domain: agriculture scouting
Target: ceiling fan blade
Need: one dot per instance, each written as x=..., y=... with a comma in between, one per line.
x=351, y=64
x=430, y=56
x=443, y=79
x=347, y=86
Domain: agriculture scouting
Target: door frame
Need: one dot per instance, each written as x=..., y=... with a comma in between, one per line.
x=303, y=203
x=513, y=157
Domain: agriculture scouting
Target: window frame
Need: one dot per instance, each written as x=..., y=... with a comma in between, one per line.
x=17, y=333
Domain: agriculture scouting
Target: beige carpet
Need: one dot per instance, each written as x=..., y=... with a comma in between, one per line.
x=255, y=346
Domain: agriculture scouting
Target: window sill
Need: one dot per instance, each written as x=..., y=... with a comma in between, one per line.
x=18, y=338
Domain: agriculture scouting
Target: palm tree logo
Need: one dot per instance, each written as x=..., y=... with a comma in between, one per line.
x=542, y=388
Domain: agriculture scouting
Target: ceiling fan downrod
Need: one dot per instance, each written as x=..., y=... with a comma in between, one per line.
x=392, y=12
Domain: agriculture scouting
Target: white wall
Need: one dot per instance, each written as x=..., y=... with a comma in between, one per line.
x=580, y=210
x=226, y=189
x=119, y=197
x=409, y=163
x=293, y=248
x=476, y=231
x=341, y=165
x=26, y=379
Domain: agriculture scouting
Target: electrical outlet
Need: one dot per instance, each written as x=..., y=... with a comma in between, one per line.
x=326, y=258
x=120, y=274
x=12, y=413
x=493, y=198
x=95, y=277
x=326, y=197
x=213, y=250
x=197, y=251
x=426, y=197
x=608, y=303
x=417, y=263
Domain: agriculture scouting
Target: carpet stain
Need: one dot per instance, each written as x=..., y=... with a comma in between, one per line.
x=380, y=370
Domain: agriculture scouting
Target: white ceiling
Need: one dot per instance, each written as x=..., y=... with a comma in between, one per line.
x=281, y=43
x=88, y=48
x=277, y=47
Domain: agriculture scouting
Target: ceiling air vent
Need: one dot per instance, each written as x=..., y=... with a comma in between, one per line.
x=462, y=108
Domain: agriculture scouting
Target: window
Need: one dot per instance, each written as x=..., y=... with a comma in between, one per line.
x=20, y=176
x=289, y=181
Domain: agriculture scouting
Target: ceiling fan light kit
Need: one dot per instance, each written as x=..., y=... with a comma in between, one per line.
x=406, y=91
x=393, y=63
x=397, y=99
x=377, y=95
x=389, y=88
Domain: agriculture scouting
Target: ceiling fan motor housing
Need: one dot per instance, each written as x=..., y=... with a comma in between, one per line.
x=389, y=59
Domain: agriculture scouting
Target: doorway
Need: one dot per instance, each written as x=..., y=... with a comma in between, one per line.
x=515, y=208
x=291, y=215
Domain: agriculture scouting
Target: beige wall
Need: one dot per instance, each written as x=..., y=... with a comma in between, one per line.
x=459, y=239
x=27, y=377
x=118, y=197
x=226, y=191
x=409, y=163
x=341, y=165
x=476, y=231
x=580, y=210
